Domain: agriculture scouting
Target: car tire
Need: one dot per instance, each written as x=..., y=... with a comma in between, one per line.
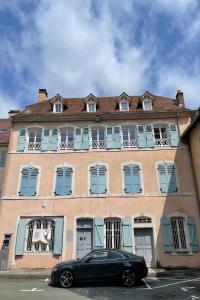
x=66, y=278
x=128, y=278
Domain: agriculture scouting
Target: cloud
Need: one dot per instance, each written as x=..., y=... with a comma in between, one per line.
x=104, y=47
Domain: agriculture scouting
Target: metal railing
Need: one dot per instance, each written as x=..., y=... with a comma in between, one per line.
x=35, y=146
x=66, y=145
x=162, y=142
x=129, y=143
x=101, y=144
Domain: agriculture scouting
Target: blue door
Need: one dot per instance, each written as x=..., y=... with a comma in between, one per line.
x=144, y=245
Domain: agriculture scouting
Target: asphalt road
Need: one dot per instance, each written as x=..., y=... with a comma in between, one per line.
x=186, y=288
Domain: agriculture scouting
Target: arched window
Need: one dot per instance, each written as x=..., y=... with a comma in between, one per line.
x=40, y=235
x=34, y=139
x=113, y=232
x=66, y=138
x=98, y=137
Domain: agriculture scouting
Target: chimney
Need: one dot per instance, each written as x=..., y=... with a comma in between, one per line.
x=13, y=112
x=180, y=98
x=42, y=95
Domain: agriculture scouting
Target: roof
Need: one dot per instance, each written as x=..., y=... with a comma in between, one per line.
x=5, y=128
x=192, y=125
x=76, y=106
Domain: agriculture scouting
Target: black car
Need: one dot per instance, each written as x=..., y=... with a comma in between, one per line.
x=100, y=265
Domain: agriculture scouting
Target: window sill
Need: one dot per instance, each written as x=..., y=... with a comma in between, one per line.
x=186, y=252
x=38, y=253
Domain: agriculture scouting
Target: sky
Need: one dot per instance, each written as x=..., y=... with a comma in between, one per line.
x=77, y=47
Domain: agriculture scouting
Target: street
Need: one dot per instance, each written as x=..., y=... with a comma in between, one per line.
x=187, y=287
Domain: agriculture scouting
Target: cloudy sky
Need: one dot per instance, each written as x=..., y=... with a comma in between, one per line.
x=74, y=47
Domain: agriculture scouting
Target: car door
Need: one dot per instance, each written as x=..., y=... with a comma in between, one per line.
x=115, y=264
x=93, y=266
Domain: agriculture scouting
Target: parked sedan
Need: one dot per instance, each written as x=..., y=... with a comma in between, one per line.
x=100, y=265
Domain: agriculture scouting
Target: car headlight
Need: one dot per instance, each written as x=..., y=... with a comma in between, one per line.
x=54, y=269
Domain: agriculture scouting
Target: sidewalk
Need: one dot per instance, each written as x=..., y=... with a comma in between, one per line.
x=45, y=273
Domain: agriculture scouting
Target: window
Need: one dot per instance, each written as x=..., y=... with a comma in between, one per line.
x=113, y=233
x=129, y=137
x=147, y=105
x=115, y=255
x=63, y=181
x=97, y=255
x=98, y=138
x=28, y=182
x=3, y=155
x=40, y=235
x=91, y=106
x=161, y=136
x=178, y=233
x=66, y=138
x=140, y=220
x=34, y=139
x=98, y=180
x=58, y=107
x=167, y=178
x=123, y=105
x=132, y=183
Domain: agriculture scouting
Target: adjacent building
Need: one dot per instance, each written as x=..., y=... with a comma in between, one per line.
x=100, y=172
x=192, y=136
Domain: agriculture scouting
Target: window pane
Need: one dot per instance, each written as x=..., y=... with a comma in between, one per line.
x=115, y=255
x=94, y=135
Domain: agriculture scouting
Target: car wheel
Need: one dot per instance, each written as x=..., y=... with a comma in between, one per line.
x=128, y=278
x=66, y=279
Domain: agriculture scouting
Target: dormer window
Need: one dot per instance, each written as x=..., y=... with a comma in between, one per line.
x=91, y=106
x=123, y=105
x=58, y=107
x=147, y=104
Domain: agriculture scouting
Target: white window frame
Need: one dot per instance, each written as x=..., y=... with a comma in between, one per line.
x=161, y=142
x=94, y=105
x=34, y=146
x=187, y=249
x=121, y=105
x=97, y=144
x=148, y=101
x=113, y=235
x=55, y=105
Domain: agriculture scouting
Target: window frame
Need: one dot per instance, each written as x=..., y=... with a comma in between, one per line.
x=55, y=105
x=121, y=105
x=179, y=250
x=158, y=178
x=37, y=183
x=93, y=103
x=107, y=180
x=113, y=237
x=147, y=101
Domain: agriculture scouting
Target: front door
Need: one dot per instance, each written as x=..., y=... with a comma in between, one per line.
x=144, y=244
x=5, y=252
x=84, y=237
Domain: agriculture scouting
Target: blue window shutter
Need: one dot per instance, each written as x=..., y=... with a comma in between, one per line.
x=85, y=139
x=116, y=137
x=98, y=233
x=21, y=140
x=54, y=140
x=163, y=178
x=194, y=244
x=33, y=174
x=94, y=180
x=58, y=236
x=78, y=139
x=136, y=179
x=20, y=239
x=128, y=180
x=67, y=181
x=28, y=182
x=166, y=234
x=63, y=181
x=149, y=136
x=141, y=136
x=172, y=185
x=45, y=140
x=109, y=138
x=173, y=135
x=102, y=180
x=127, y=234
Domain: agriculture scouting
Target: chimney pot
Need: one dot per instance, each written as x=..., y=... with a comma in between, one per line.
x=43, y=95
x=180, y=98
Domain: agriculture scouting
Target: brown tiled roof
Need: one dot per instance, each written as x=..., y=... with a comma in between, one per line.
x=74, y=106
x=5, y=127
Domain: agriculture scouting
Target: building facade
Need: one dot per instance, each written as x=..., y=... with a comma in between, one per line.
x=92, y=173
x=192, y=137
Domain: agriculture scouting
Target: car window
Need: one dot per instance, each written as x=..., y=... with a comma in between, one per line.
x=114, y=255
x=99, y=255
